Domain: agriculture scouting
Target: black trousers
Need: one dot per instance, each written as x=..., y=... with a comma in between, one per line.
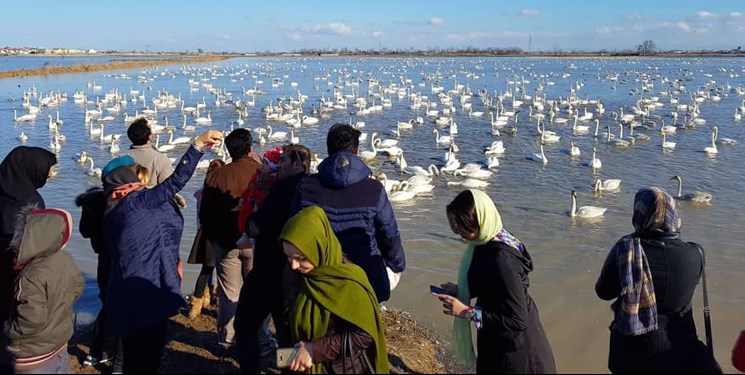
x=259, y=298
x=143, y=350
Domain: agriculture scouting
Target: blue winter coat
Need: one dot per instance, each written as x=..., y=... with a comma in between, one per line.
x=360, y=214
x=143, y=235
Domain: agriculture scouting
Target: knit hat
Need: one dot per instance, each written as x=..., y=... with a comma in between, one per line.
x=272, y=156
x=116, y=163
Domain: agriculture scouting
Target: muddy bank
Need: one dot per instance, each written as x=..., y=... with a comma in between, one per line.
x=112, y=65
x=192, y=348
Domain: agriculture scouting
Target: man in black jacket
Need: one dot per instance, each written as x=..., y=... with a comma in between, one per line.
x=263, y=293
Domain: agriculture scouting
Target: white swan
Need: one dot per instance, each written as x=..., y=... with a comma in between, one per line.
x=492, y=162
x=496, y=148
x=278, y=136
x=388, y=185
x=114, y=148
x=204, y=120
x=368, y=156
x=54, y=144
x=445, y=139
x=401, y=195
x=82, y=157
x=713, y=148
x=541, y=158
x=187, y=128
x=405, y=125
x=24, y=118
x=415, y=188
x=585, y=212
x=474, y=114
x=547, y=136
x=93, y=172
x=610, y=184
x=696, y=196
x=595, y=163
x=574, y=150
x=665, y=144
x=581, y=129
x=179, y=140
x=22, y=137
x=165, y=148
x=385, y=143
x=469, y=183
x=479, y=174
x=293, y=139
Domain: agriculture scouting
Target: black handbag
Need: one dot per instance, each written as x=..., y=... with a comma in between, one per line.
x=348, y=353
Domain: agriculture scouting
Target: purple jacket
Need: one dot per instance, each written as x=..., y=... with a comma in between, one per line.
x=360, y=215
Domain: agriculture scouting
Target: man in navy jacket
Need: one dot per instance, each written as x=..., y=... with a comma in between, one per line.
x=357, y=207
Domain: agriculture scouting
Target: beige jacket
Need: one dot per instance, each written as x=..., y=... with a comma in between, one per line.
x=156, y=162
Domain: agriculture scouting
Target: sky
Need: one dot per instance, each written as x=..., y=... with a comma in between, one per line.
x=290, y=25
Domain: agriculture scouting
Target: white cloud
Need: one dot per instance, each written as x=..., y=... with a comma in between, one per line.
x=436, y=21
x=704, y=14
x=683, y=26
x=529, y=13
x=338, y=28
x=294, y=36
x=736, y=15
x=377, y=34
x=468, y=36
x=635, y=16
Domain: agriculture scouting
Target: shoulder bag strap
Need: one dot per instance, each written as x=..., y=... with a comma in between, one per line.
x=707, y=309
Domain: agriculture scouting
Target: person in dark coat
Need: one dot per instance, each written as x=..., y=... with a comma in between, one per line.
x=494, y=270
x=93, y=203
x=652, y=275
x=142, y=232
x=262, y=293
x=358, y=209
x=40, y=323
x=23, y=171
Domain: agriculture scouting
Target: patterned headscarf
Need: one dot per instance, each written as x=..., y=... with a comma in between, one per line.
x=654, y=214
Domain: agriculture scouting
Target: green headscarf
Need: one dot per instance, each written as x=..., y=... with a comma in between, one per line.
x=332, y=287
x=490, y=223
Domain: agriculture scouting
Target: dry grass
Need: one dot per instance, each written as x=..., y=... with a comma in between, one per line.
x=113, y=65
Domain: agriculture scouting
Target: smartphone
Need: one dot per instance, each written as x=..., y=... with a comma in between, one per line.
x=285, y=357
x=438, y=290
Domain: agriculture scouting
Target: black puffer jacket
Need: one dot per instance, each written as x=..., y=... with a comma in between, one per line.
x=93, y=203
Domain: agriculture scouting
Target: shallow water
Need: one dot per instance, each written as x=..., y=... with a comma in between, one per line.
x=533, y=200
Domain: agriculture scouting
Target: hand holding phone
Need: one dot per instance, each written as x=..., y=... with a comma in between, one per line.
x=437, y=290
x=285, y=357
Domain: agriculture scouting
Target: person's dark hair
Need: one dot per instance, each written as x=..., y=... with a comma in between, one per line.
x=139, y=132
x=297, y=152
x=342, y=137
x=238, y=143
x=461, y=213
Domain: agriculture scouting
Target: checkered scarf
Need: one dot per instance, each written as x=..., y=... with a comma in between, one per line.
x=636, y=307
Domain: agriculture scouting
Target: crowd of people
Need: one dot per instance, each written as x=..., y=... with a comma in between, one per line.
x=314, y=253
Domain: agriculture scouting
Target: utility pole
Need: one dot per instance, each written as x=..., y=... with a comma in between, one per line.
x=530, y=43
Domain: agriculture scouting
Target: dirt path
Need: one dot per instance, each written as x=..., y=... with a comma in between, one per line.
x=113, y=65
x=192, y=348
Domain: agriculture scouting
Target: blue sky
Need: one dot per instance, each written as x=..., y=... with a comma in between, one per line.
x=286, y=25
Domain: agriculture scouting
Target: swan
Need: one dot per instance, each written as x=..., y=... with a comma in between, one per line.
x=389, y=185
x=595, y=163
x=610, y=184
x=22, y=137
x=107, y=138
x=547, y=137
x=619, y=142
x=368, y=156
x=415, y=188
x=385, y=143
x=479, y=174
x=400, y=196
x=165, y=148
x=204, y=120
x=469, y=183
x=453, y=128
x=585, y=212
x=24, y=118
x=573, y=150
x=114, y=148
x=581, y=129
x=278, y=136
x=308, y=120
x=641, y=137
x=451, y=165
x=404, y=125
x=492, y=162
x=445, y=139
x=52, y=125
x=496, y=148
x=696, y=196
x=665, y=144
x=82, y=157
x=541, y=158
x=713, y=148
x=54, y=144
x=93, y=172
x=59, y=122
x=474, y=114
x=188, y=128
x=293, y=139
x=179, y=140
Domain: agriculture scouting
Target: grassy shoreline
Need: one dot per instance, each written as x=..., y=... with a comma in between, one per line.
x=112, y=65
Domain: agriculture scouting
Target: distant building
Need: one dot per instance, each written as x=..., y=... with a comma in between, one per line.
x=92, y=51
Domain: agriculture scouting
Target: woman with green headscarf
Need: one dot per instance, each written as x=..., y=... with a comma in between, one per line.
x=334, y=298
x=494, y=270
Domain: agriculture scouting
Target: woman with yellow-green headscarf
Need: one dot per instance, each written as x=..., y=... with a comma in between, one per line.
x=494, y=270
x=335, y=298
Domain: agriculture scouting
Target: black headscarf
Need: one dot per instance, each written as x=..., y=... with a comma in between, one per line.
x=22, y=172
x=117, y=177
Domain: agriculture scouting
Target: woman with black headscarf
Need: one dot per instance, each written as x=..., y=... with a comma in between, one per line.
x=22, y=172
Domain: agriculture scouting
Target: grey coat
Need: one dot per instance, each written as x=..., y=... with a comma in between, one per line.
x=45, y=291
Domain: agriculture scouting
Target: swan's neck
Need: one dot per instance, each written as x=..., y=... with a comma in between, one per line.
x=573, y=212
x=680, y=186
